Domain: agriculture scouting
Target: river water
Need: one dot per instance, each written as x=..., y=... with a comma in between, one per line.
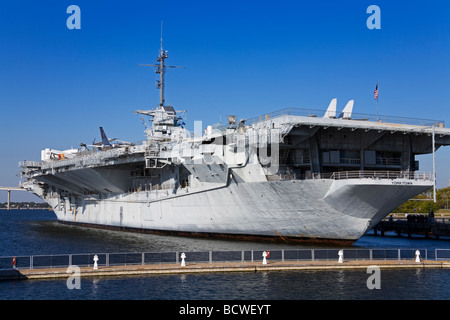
x=34, y=232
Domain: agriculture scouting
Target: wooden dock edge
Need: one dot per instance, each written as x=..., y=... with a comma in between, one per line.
x=170, y=269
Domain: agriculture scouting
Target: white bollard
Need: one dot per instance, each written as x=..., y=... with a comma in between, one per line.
x=341, y=256
x=417, y=256
x=183, y=263
x=264, y=254
x=95, y=262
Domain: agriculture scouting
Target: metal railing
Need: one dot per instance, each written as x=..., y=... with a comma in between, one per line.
x=375, y=174
x=146, y=258
x=285, y=174
x=82, y=159
x=357, y=116
x=442, y=254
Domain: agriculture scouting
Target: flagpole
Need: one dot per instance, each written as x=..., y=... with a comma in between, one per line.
x=378, y=112
x=378, y=109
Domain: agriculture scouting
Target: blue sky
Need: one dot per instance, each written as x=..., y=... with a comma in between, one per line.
x=57, y=86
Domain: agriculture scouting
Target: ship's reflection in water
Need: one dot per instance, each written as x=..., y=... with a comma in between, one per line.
x=26, y=232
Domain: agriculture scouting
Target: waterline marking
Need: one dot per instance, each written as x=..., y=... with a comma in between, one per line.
x=237, y=148
x=74, y=20
x=235, y=309
x=374, y=280
x=374, y=20
x=74, y=280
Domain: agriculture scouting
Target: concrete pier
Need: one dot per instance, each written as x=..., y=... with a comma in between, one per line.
x=169, y=269
x=9, y=189
x=425, y=227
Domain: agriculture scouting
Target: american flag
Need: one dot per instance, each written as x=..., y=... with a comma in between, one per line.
x=376, y=92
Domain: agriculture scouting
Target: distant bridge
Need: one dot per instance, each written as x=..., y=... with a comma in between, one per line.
x=9, y=189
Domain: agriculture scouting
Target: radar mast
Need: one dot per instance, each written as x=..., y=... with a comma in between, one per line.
x=160, y=69
x=163, y=115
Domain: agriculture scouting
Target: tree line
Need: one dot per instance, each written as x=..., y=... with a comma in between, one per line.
x=24, y=205
x=424, y=202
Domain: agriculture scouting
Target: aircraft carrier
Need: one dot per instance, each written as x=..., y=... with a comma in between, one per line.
x=293, y=174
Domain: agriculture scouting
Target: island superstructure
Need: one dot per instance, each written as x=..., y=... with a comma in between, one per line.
x=293, y=174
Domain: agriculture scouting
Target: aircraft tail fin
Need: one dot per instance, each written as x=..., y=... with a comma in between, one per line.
x=104, y=138
x=347, y=112
x=331, y=111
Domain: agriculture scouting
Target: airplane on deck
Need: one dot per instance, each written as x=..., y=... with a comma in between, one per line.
x=345, y=114
x=107, y=143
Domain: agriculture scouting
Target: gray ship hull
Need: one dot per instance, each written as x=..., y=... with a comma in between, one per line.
x=292, y=174
x=317, y=209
